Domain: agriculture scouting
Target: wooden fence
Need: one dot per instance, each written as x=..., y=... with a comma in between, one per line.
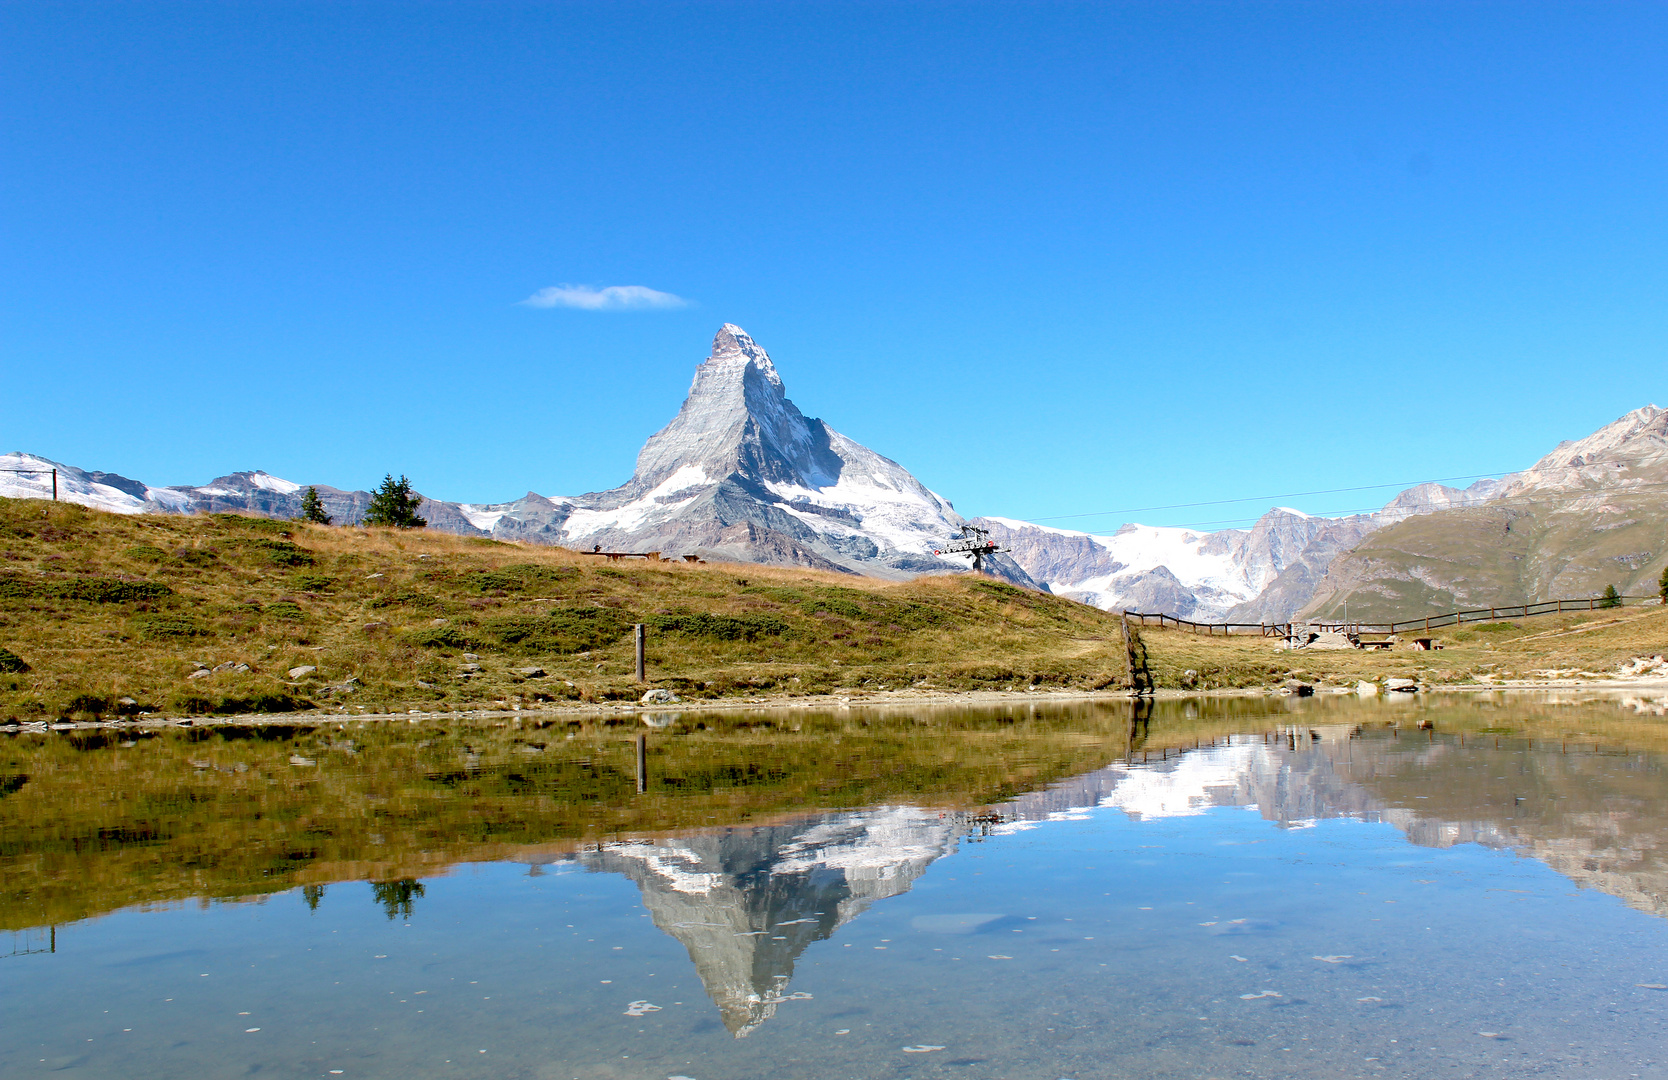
x=1428, y=623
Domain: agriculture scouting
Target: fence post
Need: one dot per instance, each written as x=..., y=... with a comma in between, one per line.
x=54, y=485
x=638, y=633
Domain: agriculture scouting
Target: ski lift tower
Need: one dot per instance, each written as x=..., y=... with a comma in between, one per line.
x=973, y=541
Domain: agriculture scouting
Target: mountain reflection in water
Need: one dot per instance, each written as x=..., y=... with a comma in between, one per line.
x=747, y=902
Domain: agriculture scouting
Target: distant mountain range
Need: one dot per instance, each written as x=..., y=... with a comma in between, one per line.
x=738, y=474
x=741, y=474
x=1591, y=513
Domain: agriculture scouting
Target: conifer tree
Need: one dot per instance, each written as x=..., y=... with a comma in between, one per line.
x=393, y=505
x=312, y=508
x=1662, y=585
x=1611, y=597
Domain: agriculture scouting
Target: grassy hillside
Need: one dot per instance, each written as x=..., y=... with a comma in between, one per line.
x=96, y=608
x=1556, y=645
x=1508, y=553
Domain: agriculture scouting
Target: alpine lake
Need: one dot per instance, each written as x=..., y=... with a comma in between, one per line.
x=1427, y=886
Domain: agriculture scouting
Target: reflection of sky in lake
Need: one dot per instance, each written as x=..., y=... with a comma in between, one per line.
x=1320, y=905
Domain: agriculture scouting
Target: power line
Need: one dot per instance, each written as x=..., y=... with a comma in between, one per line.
x=1266, y=498
x=1415, y=511
x=1327, y=491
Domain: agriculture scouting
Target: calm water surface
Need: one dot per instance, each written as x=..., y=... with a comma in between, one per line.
x=1203, y=889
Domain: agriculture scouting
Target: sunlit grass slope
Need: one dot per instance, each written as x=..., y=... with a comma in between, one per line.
x=1567, y=644
x=96, y=608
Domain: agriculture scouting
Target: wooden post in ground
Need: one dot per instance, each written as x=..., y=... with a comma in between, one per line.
x=638, y=633
x=642, y=763
x=54, y=485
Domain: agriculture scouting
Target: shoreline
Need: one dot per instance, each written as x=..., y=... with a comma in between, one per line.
x=872, y=700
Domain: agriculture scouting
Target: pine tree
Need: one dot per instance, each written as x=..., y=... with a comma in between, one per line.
x=312, y=508
x=394, y=505
x=1662, y=585
x=1611, y=597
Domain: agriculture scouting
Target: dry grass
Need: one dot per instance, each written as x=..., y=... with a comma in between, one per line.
x=386, y=618
x=1572, y=644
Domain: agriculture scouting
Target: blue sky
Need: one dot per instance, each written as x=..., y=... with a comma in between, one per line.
x=1054, y=258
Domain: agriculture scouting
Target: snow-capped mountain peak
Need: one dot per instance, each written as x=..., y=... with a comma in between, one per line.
x=737, y=418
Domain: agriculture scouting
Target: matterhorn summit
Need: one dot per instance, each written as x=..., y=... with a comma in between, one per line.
x=738, y=419
x=741, y=473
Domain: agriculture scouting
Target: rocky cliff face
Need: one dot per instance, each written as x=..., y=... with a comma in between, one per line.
x=1261, y=574
x=1582, y=517
x=1587, y=515
x=739, y=474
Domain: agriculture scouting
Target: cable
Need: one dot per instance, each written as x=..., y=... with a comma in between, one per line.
x=1416, y=511
x=1327, y=491
x=1265, y=498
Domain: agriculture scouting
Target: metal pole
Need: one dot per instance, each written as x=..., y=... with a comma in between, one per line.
x=642, y=763
x=54, y=485
x=638, y=632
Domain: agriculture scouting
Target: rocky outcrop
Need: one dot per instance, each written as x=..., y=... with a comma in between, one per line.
x=1587, y=515
x=1261, y=574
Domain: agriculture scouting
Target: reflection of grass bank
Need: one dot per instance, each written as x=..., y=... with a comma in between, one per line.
x=1591, y=642
x=97, y=608
x=88, y=824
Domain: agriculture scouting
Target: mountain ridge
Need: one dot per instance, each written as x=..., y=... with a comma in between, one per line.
x=741, y=474
x=738, y=474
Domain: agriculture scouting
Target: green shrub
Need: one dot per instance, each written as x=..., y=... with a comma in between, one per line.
x=194, y=704
x=271, y=526
x=564, y=630
x=87, y=703
x=93, y=590
x=146, y=553
x=834, y=606
x=912, y=616
x=441, y=637
x=722, y=627
x=285, y=609
x=11, y=663
x=279, y=552
x=311, y=582
x=523, y=578
x=158, y=627
x=414, y=599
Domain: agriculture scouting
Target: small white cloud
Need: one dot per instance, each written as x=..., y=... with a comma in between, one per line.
x=612, y=298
